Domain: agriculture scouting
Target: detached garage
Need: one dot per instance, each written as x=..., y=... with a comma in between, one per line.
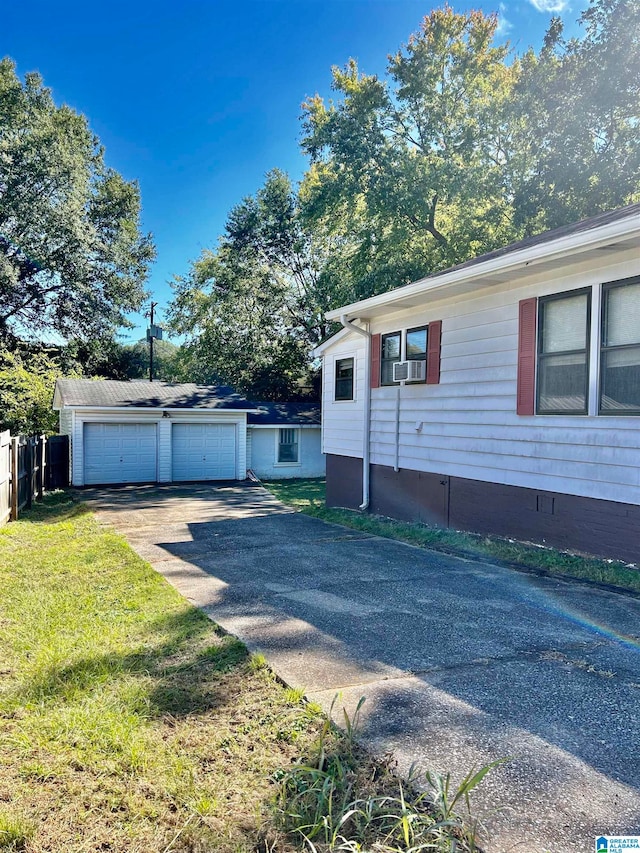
x=147, y=432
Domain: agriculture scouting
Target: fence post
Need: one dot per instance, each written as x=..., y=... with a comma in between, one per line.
x=14, y=479
x=42, y=444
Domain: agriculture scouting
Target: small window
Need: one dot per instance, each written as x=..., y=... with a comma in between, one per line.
x=620, y=348
x=344, y=379
x=563, y=356
x=417, y=346
x=390, y=354
x=288, y=445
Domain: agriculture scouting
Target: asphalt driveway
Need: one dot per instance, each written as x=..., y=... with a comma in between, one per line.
x=461, y=662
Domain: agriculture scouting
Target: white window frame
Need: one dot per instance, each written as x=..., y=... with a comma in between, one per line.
x=354, y=389
x=278, y=434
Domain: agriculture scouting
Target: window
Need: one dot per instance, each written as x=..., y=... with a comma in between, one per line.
x=620, y=348
x=288, y=445
x=344, y=379
x=563, y=356
x=415, y=349
x=416, y=346
x=390, y=354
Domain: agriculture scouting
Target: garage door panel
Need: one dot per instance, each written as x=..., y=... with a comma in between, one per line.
x=119, y=453
x=204, y=451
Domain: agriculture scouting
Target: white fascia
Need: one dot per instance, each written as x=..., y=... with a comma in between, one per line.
x=560, y=249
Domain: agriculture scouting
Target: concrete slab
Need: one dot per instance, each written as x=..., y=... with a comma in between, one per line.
x=461, y=662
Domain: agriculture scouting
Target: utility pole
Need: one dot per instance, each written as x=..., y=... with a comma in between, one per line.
x=153, y=305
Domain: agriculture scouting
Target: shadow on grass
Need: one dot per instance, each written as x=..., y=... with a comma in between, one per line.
x=180, y=661
x=55, y=507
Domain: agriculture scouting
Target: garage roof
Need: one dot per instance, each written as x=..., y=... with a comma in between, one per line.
x=141, y=394
x=300, y=414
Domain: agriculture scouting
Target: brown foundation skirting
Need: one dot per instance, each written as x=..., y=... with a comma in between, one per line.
x=601, y=528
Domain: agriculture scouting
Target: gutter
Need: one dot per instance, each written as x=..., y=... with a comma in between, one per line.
x=366, y=441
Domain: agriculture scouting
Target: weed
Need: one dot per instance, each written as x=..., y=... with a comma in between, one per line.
x=339, y=799
x=15, y=832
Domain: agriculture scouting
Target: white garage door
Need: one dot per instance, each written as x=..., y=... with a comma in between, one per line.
x=203, y=452
x=119, y=453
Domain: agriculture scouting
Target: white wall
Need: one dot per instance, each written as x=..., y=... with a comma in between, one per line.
x=469, y=423
x=76, y=418
x=342, y=420
x=262, y=455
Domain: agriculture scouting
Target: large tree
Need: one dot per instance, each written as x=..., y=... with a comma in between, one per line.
x=252, y=309
x=73, y=260
x=577, y=104
x=412, y=168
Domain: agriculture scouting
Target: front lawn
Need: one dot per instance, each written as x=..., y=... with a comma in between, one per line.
x=308, y=496
x=128, y=721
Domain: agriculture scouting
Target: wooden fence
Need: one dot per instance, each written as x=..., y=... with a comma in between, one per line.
x=30, y=465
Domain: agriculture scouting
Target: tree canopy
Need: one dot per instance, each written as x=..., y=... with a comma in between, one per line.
x=460, y=148
x=73, y=259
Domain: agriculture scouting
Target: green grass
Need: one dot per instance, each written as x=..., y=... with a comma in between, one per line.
x=128, y=721
x=308, y=496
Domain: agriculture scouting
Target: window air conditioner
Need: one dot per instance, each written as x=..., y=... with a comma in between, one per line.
x=409, y=371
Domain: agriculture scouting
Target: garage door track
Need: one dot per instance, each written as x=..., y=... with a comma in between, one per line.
x=461, y=662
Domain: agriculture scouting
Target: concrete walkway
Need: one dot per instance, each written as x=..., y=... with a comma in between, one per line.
x=461, y=662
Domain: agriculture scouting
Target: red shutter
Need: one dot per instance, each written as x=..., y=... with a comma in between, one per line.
x=376, y=343
x=433, y=352
x=526, y=394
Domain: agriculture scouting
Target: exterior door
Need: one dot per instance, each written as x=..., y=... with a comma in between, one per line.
x=119, y=453
x=203, y=452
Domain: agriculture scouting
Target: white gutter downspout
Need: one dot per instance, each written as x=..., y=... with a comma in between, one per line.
x=367, y=409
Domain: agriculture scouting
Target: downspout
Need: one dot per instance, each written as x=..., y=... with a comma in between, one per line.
x=367, y=409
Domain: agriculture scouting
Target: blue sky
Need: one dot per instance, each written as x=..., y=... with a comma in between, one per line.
x=198, y=100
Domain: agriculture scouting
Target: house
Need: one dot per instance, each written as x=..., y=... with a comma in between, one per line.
x=284, y=441
x=147, y=432
x=500, y=396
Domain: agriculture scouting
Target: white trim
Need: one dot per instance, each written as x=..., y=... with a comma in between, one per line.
x=561, y=249
x=277, y=463
x=334, y=339
x=343, y=356
x=594, y=351
x=285, y=426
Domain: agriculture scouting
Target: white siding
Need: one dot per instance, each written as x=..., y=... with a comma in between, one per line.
x=263, y=442
x=342, y=420
x=66, y=428
x=82, y=416
x=467, y=425
x=164, y=450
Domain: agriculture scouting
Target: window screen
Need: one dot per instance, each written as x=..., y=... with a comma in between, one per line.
x=563, y=362
x=620, y=349
x=344, y=379
x=417, y=346
x=288, y=445
x=390, y=354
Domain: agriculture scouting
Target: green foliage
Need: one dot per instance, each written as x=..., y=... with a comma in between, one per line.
x=109, y=359
x=578, y=108
x=15, y=832
x=419, y=156
x=27, y=383
x=72, y=258
x=338, y=799
x=254, y=307
x=459, y=149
